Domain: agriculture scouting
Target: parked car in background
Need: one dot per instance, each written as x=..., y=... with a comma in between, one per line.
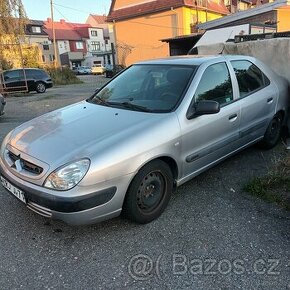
x=2, y=105
x=113, y=70
x=155, y=126
x=98, y=69
x=28, y=79
x=82, y=70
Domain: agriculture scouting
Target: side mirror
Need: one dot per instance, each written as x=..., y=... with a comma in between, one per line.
x=203, y=108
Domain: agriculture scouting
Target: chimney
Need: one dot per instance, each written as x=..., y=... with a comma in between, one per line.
x=62, y=21
x=48, y=20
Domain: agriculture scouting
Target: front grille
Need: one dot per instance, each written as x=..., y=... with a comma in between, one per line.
x=39, y=209
x=26, y=165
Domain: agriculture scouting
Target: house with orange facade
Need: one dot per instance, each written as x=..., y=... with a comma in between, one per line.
x=139, y=25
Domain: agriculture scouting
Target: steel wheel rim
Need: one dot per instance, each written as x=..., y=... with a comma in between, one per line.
x=151, y=191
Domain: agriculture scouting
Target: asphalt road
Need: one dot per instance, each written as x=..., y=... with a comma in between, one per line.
x=212, y=235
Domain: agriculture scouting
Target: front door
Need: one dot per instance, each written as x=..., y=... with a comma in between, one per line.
x=208, y=138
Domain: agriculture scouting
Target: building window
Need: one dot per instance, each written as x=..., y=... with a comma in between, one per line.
x=45, y=47
x=51, y=57
x=94, y=33
x=36, y=29
x=43, y=58
x=106, y=41
x=95, y=45
x=79, y=45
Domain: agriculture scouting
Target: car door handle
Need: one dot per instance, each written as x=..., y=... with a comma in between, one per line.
x=233, y=117
x=270, y=100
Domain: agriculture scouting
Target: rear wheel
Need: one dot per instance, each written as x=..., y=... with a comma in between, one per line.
x=40, y=87
x=272, y=134
x=149, y=192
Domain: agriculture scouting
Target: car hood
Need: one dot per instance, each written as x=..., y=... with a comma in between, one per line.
x=78, y=131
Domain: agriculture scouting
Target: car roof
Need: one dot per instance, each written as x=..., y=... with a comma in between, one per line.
x=13, y=69
x=191, y=59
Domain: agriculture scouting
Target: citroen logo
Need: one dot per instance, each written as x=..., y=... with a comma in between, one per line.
x=17, y=164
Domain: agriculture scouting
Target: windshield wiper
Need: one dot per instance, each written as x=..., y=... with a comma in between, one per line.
x=98, y=100
x=130, y=106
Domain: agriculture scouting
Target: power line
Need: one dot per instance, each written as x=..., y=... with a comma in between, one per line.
x=132, y=21
x=61, y=14
x=71, y=8
x=155, y=25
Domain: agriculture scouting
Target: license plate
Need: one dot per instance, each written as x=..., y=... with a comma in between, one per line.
x=14, y=190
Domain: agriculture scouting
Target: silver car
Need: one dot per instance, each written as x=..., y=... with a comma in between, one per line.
x=2, y=105
x=150, y=129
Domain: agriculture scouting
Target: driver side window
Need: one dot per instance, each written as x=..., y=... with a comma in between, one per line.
x=215, y=85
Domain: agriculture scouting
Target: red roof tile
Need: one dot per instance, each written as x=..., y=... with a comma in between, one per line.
x=100, y=19
x=160, y=5
x=217, y=7
x=66, y=30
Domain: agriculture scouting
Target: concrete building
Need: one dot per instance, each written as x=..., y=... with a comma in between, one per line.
x=71, y=41
x=105, y=52
x=275, y=14
x=80, y=44
x=99, y=51
x=35, y=35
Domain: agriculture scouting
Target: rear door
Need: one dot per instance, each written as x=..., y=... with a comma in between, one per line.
x=208, y=138
x=258, y=98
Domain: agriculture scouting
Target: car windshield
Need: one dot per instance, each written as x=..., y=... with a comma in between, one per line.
x=148, y=88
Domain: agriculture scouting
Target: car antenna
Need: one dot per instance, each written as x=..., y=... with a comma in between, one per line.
x=223, y=49
x=225, y=44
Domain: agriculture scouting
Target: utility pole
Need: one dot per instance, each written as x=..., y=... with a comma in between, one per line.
x=53, y=35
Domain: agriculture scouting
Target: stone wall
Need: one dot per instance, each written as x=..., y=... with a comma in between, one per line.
x=273, y=52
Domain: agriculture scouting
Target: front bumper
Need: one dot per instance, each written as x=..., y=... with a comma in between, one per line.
x=49, y=85
x=79, y=206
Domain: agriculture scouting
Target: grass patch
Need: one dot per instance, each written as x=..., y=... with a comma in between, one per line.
x=274, y=187
x=63, y=76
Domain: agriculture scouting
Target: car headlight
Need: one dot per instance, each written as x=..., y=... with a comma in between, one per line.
x=68, y=176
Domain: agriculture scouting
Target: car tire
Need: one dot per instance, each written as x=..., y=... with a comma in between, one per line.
x=40, y=87
x=149, y=192
x=273, y=133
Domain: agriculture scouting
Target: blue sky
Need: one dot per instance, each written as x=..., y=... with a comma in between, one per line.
x=74, y=10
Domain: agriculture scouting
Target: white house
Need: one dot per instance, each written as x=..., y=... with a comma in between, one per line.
x=99, y=48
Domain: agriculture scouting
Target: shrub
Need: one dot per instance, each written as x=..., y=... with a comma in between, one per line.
x=63, y=76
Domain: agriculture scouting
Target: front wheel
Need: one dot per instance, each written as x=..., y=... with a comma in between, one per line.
x=272, y=134
x=149, y=192
x=40, y=87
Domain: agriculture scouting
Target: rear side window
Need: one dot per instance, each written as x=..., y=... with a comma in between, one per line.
x=250, y=78
x=215, y=85
x=29, y=74
x=38, y=73
x=13, y=74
